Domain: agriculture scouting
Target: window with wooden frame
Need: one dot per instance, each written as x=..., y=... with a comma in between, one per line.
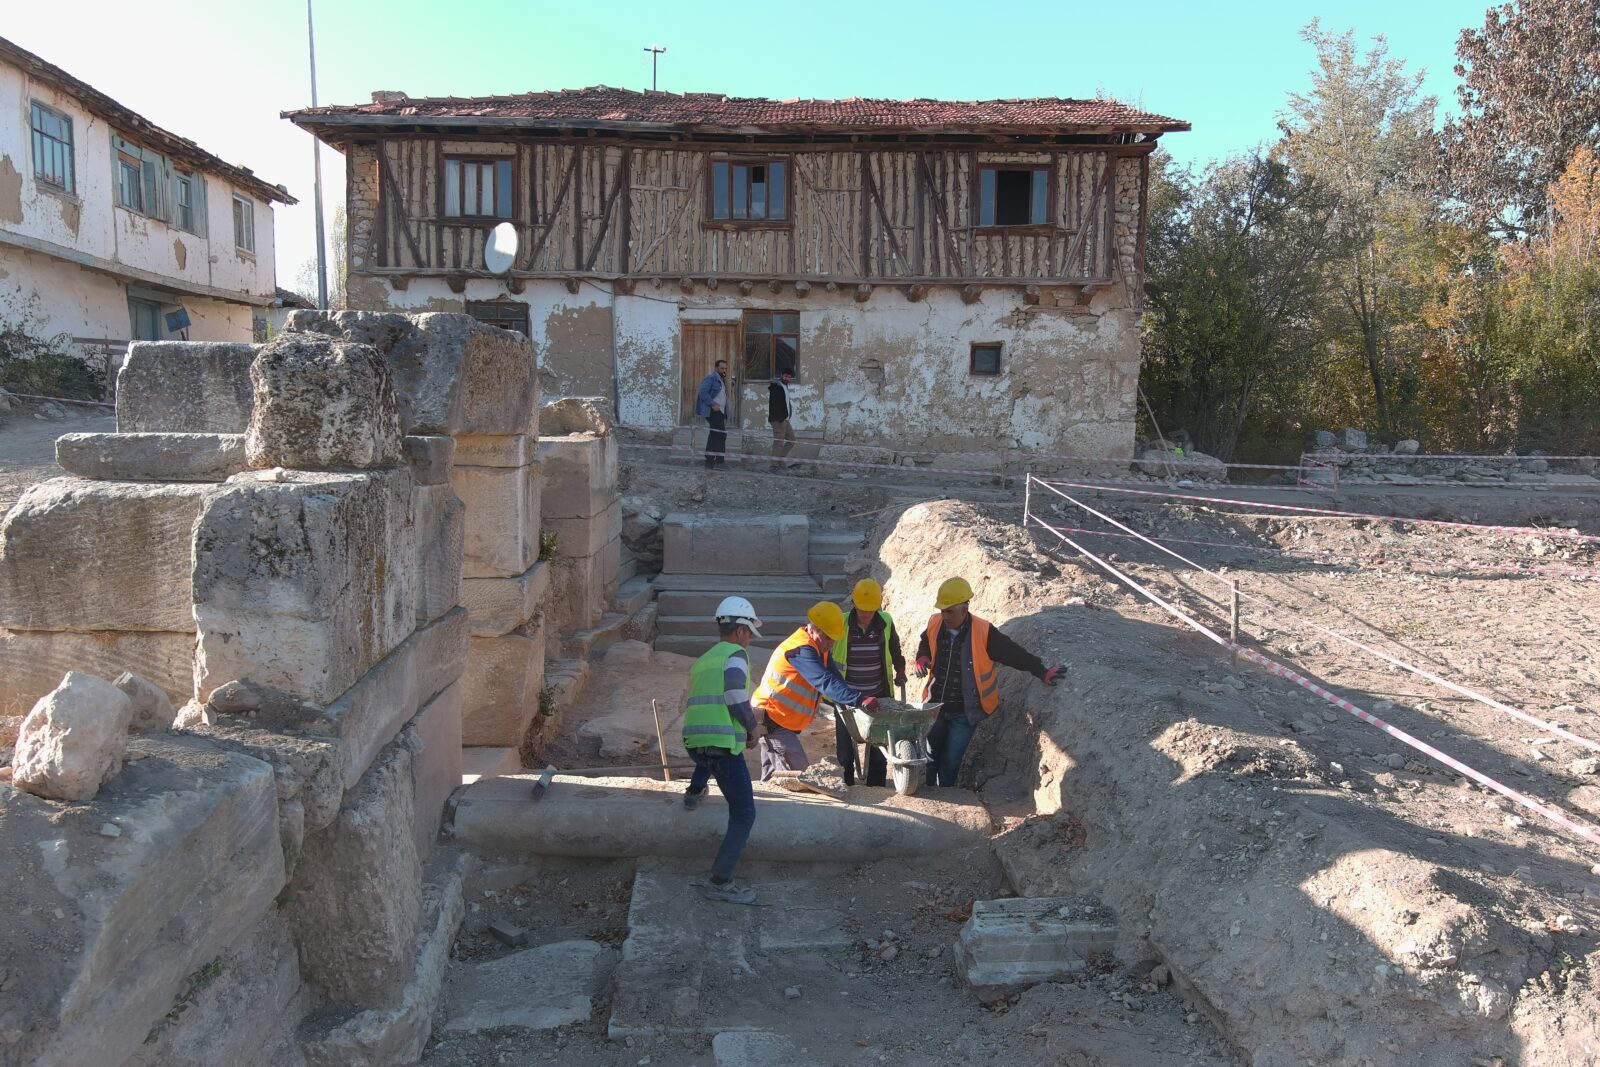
x=985, y=359
x=140, y=174
x=749, y=191
x=771, y=344
x=477, y=187
x=244, y=225
x=506, y=314
x=1013, y=194
x=188, y=202
x=52, y=148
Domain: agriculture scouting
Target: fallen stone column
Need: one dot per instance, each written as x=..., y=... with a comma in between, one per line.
x=608, y=817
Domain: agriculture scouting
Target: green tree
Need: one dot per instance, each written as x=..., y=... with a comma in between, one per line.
x=1235, y=266
x=1364, y=133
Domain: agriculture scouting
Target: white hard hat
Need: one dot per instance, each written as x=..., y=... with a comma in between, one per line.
x=738, y=609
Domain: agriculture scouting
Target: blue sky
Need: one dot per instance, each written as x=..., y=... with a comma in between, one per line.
x=219, y=71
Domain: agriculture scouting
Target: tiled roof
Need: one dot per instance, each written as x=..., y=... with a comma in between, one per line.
x=603, y=106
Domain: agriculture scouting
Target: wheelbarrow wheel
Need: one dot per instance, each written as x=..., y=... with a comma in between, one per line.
x=907, y=776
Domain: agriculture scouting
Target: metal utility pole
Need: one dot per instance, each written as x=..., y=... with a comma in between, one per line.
x=655, y=51
x=316, y=163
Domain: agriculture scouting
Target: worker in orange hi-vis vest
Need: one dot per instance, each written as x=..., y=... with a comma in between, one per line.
x=800, y=673
x=962, y=650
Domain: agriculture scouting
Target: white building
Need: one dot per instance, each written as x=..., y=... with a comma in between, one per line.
x=113, y=229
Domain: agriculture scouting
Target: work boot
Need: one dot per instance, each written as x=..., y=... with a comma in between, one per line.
x=729, y=892
x=691, y=799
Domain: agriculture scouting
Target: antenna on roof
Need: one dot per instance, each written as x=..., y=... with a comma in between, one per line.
x=655, y=51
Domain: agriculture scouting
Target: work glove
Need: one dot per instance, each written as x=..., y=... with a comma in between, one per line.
x=1053, y=675
x=923, y=663
x=870, y=705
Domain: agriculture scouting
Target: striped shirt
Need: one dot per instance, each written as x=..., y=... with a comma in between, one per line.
x=864, y=670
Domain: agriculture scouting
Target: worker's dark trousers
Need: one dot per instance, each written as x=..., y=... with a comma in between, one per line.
x=877, y=767
x=733, y=779
x=716, y=438
x=947, y=742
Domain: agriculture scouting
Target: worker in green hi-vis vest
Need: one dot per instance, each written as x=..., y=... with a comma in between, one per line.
x=717, y=724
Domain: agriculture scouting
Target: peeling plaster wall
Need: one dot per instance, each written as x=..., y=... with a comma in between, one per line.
x=889, y=371
x=87, y=222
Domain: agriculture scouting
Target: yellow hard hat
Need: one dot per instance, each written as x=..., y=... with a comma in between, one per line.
x=954, y=591
x=868, y=595
x=827, y=617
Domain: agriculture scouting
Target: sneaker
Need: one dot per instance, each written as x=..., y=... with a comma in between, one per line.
x=691, y=800
x=728, y=893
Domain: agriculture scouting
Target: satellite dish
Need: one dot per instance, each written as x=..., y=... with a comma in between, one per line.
x=500, y=250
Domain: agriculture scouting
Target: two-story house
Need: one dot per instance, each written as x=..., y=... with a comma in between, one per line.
x=938, y=274
x=113, y=229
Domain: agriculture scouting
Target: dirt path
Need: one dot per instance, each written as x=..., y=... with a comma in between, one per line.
x=28, y=446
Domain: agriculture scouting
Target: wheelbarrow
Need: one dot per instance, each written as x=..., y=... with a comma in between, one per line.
x=900, y=731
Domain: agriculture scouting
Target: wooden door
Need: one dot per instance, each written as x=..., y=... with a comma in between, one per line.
x=701, y=345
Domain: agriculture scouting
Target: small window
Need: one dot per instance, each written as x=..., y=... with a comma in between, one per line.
x=139, y=176
x=1013, y=196
x=477, y=188
x=986, y=359
x=771, y=344
x=130, y=184
x=506, y=314
x=749, y=191
x=244, y=224
x=52, y=148
x=185, y=209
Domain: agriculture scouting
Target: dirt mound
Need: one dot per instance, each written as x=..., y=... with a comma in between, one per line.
x=1319, y=902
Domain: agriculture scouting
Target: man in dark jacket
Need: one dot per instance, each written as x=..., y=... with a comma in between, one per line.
x=962, y=652
x=779, y=407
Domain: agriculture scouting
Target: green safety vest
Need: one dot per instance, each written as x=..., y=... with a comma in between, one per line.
x=841, y=647
x=707, y=722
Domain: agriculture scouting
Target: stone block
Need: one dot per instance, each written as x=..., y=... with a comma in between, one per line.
x=441, y=521
x=356, y=899
x=309, y=772
x=501, y=688
x=499, y=605
x=152, y=708
x=581, y=538
x=495, y=450
x=735, y=544
x=577, y=594
x=151, y=457
x=185, y=387
x=72, y=741
x=535, y=989
x=129, y=919
x=246, y=1012
x=452, y=374
x=83, y=555
x=1407, y=447
x=503, y=514
x=578, y=414
x=434, y=738
x=304, y=584
x=321, y=404
x=580, y=475
x=429, y=456
x=1022, y=940
x=382, y=1037
x=1353, y=440
x=32, y=662
x=369, y=715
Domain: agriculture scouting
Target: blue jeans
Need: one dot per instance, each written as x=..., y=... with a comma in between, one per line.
x=733, y=778
x=948, y=742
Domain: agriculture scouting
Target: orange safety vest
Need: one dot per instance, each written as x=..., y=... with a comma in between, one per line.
x=982, y=666
x=786, y=697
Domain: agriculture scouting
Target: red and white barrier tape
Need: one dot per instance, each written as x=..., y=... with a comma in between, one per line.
x=1453, y=457
x=1487, y=701
x=65, y=400
x=1516, y=530
x=1582, y=829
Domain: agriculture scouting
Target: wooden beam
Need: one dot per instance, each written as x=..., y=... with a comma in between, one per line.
x=686, y=284
x=516, y=285
x=883, y=214
x=916, y=292
x=746, y=288
x=863, y=293
x=392, y=190
x=573, y=285
x=555, y=209
x=1030, y=294
x=802, y=289
x=609, y=207
x=457, y=283
x=400, y=281
x=775, y=286
x=625, y=286
x=712, y=283
x=971, y=294
x=832, y=287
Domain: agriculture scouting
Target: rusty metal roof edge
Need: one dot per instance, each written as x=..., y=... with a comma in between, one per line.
x=125, y=118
